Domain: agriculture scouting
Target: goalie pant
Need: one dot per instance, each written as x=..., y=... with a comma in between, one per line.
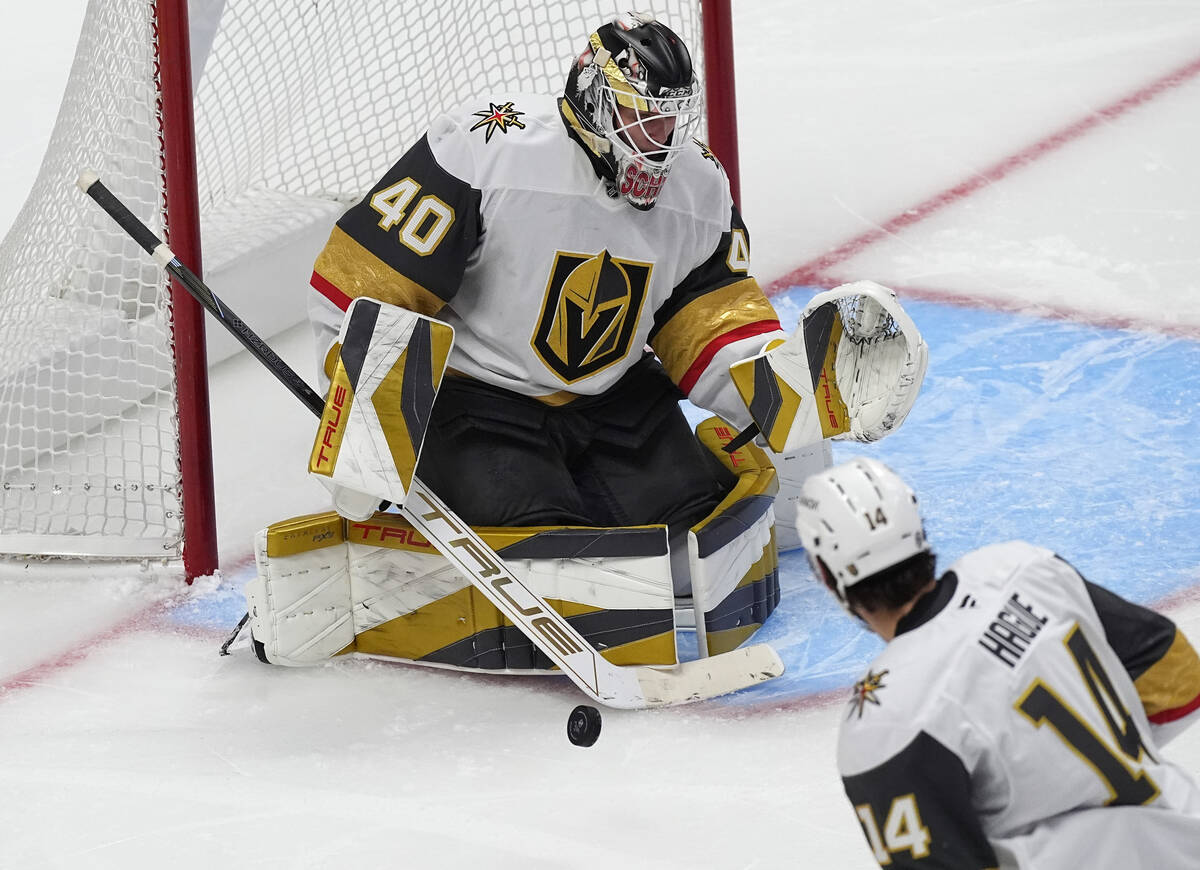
x=1038, y=745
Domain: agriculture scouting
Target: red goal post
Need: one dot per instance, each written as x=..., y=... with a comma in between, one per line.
x=250, y=124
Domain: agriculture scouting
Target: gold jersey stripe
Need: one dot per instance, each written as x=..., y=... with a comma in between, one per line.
x=355, y=271
x=685, y=336
x=1173, y=680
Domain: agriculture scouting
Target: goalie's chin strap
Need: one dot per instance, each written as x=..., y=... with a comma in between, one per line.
x=742, y=438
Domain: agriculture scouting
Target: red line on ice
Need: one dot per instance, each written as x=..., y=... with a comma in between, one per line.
x=148, y=618
x=815, y=271
x=1103, y=320
x=36, y=674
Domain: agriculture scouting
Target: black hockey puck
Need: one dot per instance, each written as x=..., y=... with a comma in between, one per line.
x=583, y=725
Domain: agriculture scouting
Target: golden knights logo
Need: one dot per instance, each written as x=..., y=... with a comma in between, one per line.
x=591, y=312
x=865, y=691
x=498, y=118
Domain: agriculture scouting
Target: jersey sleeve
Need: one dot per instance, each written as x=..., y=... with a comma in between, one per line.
x=1161, y=662
x=406, y=242
x=715, y=316
x=915, y=810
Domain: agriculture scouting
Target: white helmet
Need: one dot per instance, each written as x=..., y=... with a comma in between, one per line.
x=858, y=518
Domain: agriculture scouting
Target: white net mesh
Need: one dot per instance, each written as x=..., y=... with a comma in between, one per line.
x=87, y=421
x=301, y=106
x=296, y=127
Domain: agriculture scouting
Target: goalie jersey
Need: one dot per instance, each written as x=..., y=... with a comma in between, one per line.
x=1015, y=721
x=496, y=223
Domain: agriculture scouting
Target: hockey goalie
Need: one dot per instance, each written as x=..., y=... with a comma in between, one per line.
x=514, y=311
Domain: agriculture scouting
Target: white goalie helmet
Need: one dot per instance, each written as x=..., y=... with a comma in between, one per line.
x=858, y=518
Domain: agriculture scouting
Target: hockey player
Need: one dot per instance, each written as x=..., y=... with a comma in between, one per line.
x=1016, y=716
x=560, y=238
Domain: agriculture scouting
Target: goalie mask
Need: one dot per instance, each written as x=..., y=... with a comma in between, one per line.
x=858, y=519
x=632, y=101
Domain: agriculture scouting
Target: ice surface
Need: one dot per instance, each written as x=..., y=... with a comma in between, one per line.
x=126, y=742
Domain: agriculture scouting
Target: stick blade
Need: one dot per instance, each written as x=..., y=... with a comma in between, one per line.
x=709, y=677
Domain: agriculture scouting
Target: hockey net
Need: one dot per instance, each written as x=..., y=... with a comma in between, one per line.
x=299, y=108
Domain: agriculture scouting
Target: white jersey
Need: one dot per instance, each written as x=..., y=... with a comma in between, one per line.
x=1012, y=723
x=497, y=223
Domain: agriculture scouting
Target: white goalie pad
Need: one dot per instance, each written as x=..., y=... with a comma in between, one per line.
x=852, y=370
x=389, y=366
x=732, y=557
x=378, y=588
x=735, y=575
x=299, y=603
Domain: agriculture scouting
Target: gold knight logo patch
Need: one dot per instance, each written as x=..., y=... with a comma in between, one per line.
x=590, y=313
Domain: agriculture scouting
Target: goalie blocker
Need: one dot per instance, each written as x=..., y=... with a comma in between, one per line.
x=384, y=373
x=328, y=586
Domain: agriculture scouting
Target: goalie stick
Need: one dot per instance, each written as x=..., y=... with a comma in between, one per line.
x=627, y=687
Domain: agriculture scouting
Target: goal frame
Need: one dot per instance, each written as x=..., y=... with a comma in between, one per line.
x=183, y=234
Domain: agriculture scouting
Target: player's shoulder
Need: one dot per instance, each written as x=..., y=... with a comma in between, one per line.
x=902, y=693
x=497, y=132
x=1004, y=553
x=498, y=118
x=999, y=566
x=698, y=184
